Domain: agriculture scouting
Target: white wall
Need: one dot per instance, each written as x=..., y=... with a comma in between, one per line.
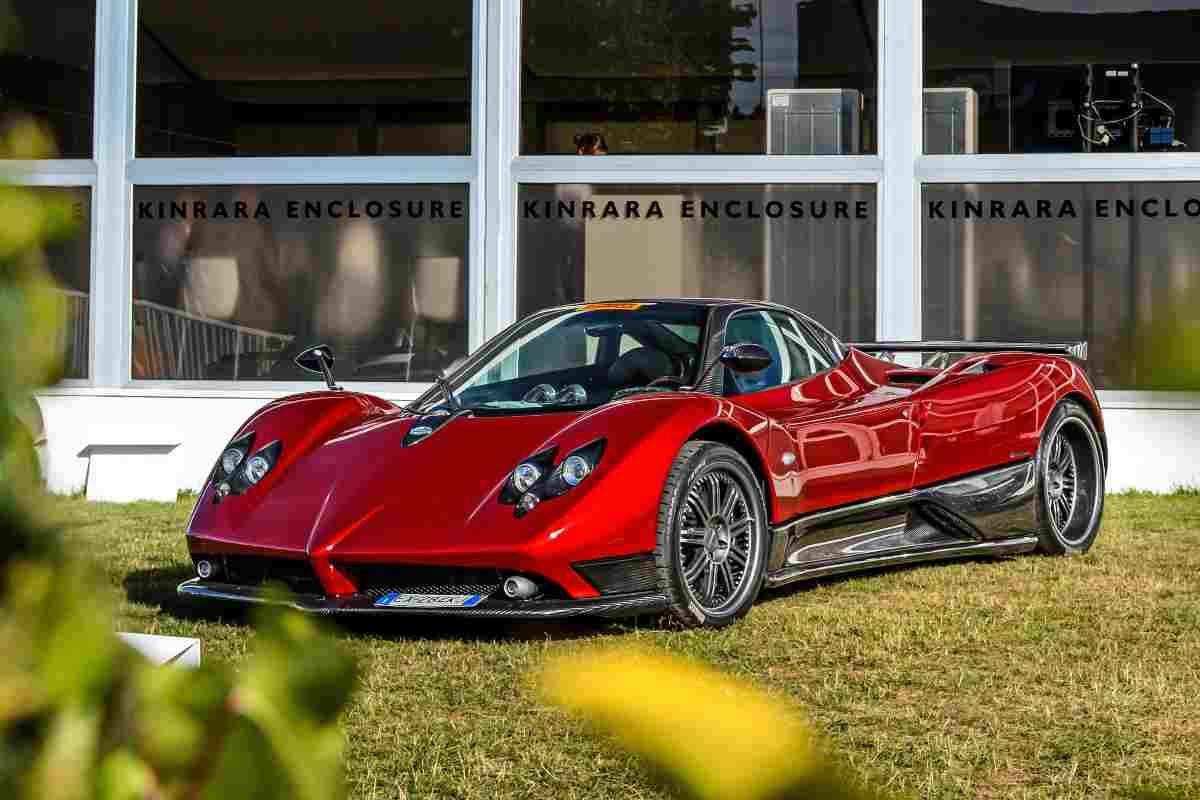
x=200, y=422
x=1153, y=444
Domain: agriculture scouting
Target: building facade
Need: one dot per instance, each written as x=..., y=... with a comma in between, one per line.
x=401, y=181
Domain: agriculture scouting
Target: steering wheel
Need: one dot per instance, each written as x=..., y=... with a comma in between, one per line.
x=680, y=362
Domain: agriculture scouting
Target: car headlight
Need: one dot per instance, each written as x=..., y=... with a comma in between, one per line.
x=574, y=469
x=525, y=476
x=534, y=481
x=230, y=460
x=256, y=469
x=238, y=470
x=259, y=464
x=235, y=452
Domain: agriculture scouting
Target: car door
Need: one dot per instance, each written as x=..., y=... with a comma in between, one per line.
x=844, y=436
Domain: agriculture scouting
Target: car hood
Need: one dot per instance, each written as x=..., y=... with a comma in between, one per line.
x=361, y=493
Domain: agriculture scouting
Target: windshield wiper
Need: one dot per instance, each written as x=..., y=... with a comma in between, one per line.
x=444, y=385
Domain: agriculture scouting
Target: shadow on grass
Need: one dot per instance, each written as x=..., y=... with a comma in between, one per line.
x=157, y=587
x=807, y=584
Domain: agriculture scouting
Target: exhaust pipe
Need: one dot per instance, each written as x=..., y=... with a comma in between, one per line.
x=517, y=587
x=205, y=569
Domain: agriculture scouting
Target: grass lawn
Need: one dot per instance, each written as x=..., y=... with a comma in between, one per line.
x=1019, y=677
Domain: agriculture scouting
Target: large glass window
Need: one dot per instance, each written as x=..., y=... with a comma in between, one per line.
x=67, y=259
x=1062, y=76
x=1115, y=264
x=699, y=76
x=46, y=70
x=809, y=247
x=303, y=78
x=230, y=282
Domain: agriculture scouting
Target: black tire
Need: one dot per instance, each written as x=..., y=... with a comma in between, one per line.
x=711, y=574
x=1070, y=468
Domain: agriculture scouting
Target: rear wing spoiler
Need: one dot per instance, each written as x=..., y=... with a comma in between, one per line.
x=1076, y=350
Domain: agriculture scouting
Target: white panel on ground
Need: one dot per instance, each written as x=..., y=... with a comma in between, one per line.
x=131, y=462
x=178, y=650
x=1153, y=449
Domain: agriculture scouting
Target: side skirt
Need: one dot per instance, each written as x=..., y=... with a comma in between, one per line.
x=788, y=574
x=988, y=513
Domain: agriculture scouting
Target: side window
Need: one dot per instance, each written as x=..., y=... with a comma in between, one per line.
x=794, y=354
x=805, y=354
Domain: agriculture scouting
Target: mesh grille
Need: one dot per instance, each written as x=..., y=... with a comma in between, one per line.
x=256, y=570
x=620, y=575
x=376, y=580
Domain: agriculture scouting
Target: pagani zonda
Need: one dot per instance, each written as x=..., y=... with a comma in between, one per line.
x=650, y=456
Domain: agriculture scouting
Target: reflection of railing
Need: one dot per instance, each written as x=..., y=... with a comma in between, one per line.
x=73, y=336
x=177, y=345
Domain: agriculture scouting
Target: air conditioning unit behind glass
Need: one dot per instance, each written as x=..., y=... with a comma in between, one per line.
x=813, y=122
x=951, y=121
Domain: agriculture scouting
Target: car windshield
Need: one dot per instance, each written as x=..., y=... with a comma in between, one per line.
x=581, y=357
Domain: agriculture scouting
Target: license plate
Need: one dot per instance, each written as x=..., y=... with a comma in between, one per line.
x=401, y=600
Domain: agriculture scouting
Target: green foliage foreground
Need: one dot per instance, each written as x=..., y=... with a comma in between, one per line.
x=81, y=714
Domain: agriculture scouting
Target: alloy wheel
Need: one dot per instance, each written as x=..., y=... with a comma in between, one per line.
x=717, y=539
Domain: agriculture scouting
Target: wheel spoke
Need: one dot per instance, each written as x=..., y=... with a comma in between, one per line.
x=1064, y=511
x=693, y=536
x=696, y=500
x=730, y=502
x=714, y=488
x=710, y=582
x=738, y=556
x=727, y=574
x=697, y=566
x=738, y=527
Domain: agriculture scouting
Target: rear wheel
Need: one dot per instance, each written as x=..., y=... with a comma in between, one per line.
x=712, y=536
x=1070, y=482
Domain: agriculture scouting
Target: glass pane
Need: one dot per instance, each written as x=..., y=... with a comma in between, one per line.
x=46, y=70
x=809, y=247
x=230, y=282
x=793, y=357
x=583, y=357
x=1115, y=264
x=1061, y=76
x=271, y=78
x=698, y=76
x=68, y=260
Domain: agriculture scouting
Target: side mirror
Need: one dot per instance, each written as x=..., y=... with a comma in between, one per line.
x=318, y=359
x=745, y=357
x=741, y=357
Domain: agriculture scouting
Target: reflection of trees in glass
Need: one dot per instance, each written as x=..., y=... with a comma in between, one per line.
x=648, y=51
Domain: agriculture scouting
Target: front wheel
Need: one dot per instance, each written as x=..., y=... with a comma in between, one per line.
x=712, y=536
x=1070, y=482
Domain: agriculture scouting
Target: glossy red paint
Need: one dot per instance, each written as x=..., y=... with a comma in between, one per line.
x=346, y=492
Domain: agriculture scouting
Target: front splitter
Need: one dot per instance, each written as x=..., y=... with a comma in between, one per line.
x=610, y=606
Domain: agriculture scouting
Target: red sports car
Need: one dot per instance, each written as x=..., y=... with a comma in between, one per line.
x=650, y=456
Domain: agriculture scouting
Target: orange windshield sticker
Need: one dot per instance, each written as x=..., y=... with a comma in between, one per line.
x=612, y=306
